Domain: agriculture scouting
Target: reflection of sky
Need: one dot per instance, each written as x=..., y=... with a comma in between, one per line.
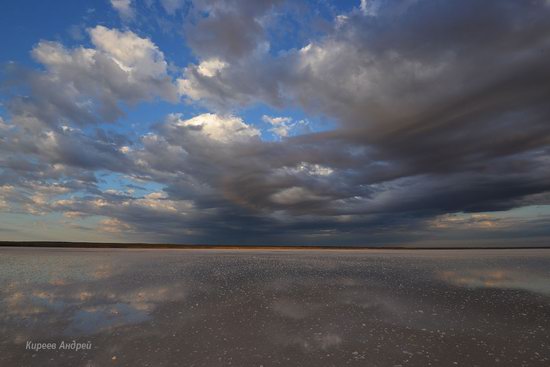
x=499, y=278
x=358, y=305
x=93, y=319
x=75, y=289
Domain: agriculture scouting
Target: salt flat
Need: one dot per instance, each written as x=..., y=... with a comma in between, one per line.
x=275, y=307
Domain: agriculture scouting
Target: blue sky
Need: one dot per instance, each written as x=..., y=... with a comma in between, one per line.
x=274, y=122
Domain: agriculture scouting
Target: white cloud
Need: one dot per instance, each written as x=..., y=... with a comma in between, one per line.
x=225, y=129
x=281, y=131
x=189, y=89
x=125, y=149
x=190, y=85
x=91, y=81
x=363, y=6
x=340, y=20
x=140, y=57
x=283, y=126
x=210, y=67
x=113, y=225
x=124, y=8
x=276, y=120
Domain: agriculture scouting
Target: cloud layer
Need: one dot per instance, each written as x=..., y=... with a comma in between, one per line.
x=439, y=108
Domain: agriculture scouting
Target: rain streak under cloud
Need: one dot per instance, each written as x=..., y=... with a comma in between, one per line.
x=274, y=122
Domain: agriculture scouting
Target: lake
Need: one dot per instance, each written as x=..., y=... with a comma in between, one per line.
x=275, y=307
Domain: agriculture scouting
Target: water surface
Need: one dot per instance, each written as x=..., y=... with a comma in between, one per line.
x=276, y=308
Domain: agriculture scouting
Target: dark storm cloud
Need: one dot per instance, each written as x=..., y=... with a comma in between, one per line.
x=429, y=88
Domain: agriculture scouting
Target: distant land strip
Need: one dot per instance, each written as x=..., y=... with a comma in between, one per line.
x=116, y=245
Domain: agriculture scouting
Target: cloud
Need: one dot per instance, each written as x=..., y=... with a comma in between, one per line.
x=225, y=129
x=431, y=119
x=54, y=136
x=90, y=82
x=124, y=8
x=137, y=56
x=483, y=221
x=4, y=126
x=283, y=126
x=230, y=30
x=461, y=99
x=210, y=67
x=280, y=125
x=294, y=195
x=438, y=109
x=90, y=85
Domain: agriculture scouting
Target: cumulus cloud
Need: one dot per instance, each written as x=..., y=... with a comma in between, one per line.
x=225, y=129
x=46, y=127
x=47, y=139
x=91, y=82
x=138, y=56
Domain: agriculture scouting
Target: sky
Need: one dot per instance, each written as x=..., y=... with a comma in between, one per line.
x=273, y=122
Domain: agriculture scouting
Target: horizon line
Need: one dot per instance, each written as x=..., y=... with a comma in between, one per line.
x=159, y=246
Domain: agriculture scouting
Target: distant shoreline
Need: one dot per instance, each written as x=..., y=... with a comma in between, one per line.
x=115, y=245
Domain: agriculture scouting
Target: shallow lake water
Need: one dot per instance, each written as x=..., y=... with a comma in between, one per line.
x=275, y=307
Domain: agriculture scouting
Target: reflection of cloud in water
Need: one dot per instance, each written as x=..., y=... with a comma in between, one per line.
x=80, y=297
x=146, y=299
x=18, y=304
x=290, y=308
x=306, y=308
x=316, y=341
x=498, y=278
x=130, y=308
x=32, y=303
x=89, y=311
x=376, y=301
x=90, y=320
x=103, y=271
